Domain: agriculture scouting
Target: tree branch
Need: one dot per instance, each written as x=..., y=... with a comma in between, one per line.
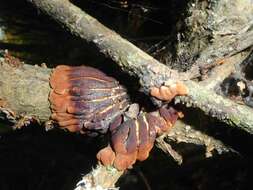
x=24, y=93
x=149, y=71
x=28, y=79
x=24, y=90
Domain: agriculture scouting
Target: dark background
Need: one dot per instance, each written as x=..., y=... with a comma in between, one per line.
x=32, y=158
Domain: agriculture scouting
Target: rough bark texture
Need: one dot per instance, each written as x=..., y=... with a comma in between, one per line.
x=218, y=107
x=128, y=56
x=137, y=63
x=215, y=29
x=101, y=177
x=25, y=89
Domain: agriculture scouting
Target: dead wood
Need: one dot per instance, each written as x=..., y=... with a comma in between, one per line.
x=24, y=91
x=132, y=60
x=149, y=71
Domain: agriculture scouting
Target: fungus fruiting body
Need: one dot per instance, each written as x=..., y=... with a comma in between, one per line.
x=133, y=139
x=167, y=93
x=85, y=99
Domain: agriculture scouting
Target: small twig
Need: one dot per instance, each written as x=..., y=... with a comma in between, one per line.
x=165, y=147
x=187, y=134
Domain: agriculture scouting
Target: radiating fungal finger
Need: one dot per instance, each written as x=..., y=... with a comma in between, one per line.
x=87, y=97
x=119, y=138
x=144, y=143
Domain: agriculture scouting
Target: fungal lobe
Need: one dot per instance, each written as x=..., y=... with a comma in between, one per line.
x=167, y=93
x=85, y=99
x=134, y=138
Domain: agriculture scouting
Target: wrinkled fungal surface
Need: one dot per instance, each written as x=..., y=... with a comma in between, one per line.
x=133, y=139
x=168, y=92
x=85, y=99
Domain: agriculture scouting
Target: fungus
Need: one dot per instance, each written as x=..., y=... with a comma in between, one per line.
x=167, y=93
x=85, y=99
x=134, y=138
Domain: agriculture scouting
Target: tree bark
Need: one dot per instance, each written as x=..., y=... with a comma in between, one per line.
x=149, y=71
x=214, y=29
x=32, y=82
x=24, y=91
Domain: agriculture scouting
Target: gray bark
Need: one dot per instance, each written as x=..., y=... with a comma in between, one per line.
x=149, y=71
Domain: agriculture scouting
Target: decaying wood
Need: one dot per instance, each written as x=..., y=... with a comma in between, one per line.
x=149, y=71
x=214, y=29
x=101, y=177
x=24, y=91
x=135, y=62
x=222, y=71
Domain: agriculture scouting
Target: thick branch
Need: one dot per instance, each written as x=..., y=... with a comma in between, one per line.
x=138, y=63
x=24, y=93
x=24, y=90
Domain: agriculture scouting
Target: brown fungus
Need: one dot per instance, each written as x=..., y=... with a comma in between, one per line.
x=167, y=93
x=134, y=138
x=85, y=99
